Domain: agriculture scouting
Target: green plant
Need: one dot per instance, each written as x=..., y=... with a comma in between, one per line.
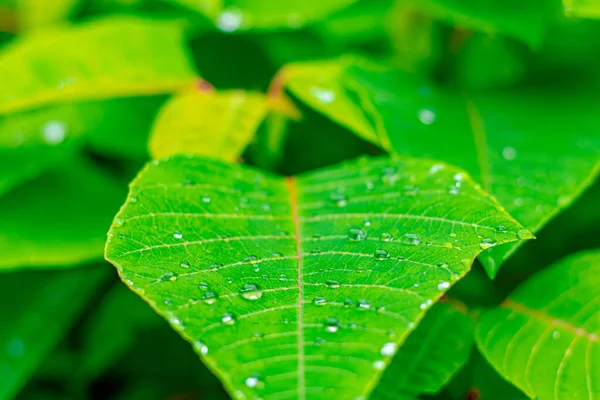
x=327, y=199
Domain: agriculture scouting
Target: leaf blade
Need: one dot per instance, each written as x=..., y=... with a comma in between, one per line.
x=82, y=75
x=214, y=251
x=554, y=310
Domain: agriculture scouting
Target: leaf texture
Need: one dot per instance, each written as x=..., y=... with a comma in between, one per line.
x=545, y=338
x=300, y=288
x=535, y=150
x=101, y=59
x=431, y=355
x=214, y=125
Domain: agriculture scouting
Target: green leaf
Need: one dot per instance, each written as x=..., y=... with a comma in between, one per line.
x=48, y=304
x=101, y=59
x=431, y=355
x=523, y=20
x=545, y=338
x=479, y=380
x=112, y=330
x=215, y=124
x=264, y=14
x=535, y=150
x=34, y=141
x=59, y=219
x=294, y=287
x=39, y=13
x=582, y=8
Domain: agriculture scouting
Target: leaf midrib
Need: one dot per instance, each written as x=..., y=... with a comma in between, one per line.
x=293, y=196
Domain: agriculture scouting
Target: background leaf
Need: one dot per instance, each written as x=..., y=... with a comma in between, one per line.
x=497, y=138
x=48, y=304
x=582, y=8
x=82, y=75
x=545, y=337
x=70, y=227
x=276, y=282
x=39, y=13
x=215, y=124
x=431, y=355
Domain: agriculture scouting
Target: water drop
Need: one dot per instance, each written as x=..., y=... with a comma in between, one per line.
x=443, y=285
x=509, y=153
x=282, y=277
x=320, y=301
x=339, y=199
x=501, y=228
x=54, y=132
x=332, y=284
x=555, y=335
x=201, y=348
x=435, y=168
x=411, y=239
x=331, y=324
x=250, y=259
x=367, y=223
x=381, y=254
x=215, y=266
x=185, y=264
x=386, y=237
x=388, y=349
x=317, y=236
x=348, y=303
x=205, y=199
x=228, y=319
x=325, y=96
x=203, y=285
x=364, y=304
x=357, y=235
x=389, y=176
x=178, y=235
x=379, y=365
x=229, y=20
x=210, y=297
x=252, y=381
x=168, y=276
x=427, y=116
x=380, y=309
x=523, y=233
x=251, y=292
x=487, y=243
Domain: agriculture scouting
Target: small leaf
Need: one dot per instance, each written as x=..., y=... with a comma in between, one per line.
x=582, y=8
x=68, y=229
x=535, y=150
x=431, y=355
x=213, y=124
x=301, y=284
x=49, y=302
x=545, y=338
x=87, y=63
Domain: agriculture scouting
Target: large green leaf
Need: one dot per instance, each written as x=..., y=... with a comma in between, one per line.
x=300, y=287
x=545, y=338
x=582, y=8
x=431, y=355
x=215, y=124
x=264, y=14
x=48, y=304
x=101, y=59
x=59, y=219
x=524, y=20
x=534, y=149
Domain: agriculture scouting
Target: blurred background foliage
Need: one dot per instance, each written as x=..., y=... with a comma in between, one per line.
x=66, y=158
